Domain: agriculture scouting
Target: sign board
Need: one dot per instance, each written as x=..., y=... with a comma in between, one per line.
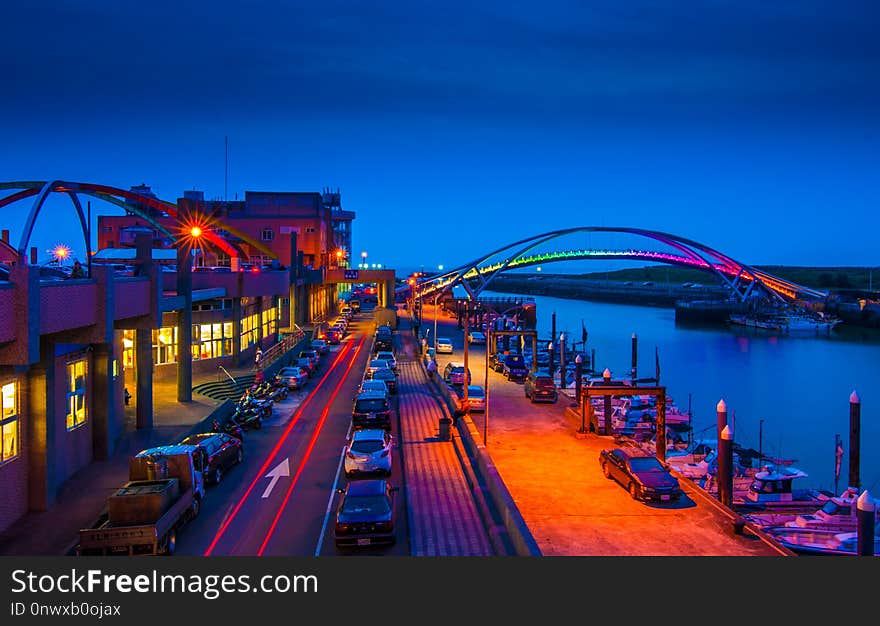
x=352, y=274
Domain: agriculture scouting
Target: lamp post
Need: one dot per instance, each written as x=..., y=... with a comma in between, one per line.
x=435, y=321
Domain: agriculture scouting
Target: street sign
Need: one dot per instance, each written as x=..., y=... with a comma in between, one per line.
x=353, y=274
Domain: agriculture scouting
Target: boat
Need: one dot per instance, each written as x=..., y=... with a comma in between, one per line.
x=837, y=513
x=812, y=541
x=771, y=488
x=788, y=323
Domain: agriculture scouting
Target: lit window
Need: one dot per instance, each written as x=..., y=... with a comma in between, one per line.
x=76, y=394
x=9, y=444
x=267, y=234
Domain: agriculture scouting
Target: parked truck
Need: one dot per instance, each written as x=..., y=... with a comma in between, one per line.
x=164, y=492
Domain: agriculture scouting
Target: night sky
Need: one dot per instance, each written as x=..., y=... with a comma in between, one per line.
x=751, y=126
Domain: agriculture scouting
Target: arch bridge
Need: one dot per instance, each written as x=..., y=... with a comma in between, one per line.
x=742, y=281
x=211, y=228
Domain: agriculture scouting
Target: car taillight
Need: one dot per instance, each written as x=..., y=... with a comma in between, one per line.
x=343, y=528
x=350, y=455
x=383, y=526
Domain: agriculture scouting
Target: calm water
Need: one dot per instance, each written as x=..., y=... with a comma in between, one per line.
x=799, y=386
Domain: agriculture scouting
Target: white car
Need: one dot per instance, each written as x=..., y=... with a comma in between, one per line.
x=368, y=452
x=444, y=345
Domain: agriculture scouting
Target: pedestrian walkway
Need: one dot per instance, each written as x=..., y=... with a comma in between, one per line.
x=444, y=520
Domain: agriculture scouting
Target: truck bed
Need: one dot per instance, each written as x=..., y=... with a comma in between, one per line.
x=107, y=539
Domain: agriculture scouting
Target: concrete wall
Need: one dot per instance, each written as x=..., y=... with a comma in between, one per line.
x=67, y=305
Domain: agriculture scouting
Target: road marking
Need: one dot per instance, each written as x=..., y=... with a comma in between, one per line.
x=330, y=502
x=282, y=469
x=272, y=454
x=310, y=447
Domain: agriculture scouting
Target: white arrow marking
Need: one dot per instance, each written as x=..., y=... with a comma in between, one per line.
x=282, y=469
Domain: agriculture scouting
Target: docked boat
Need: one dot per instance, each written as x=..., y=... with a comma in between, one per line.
x=788, y=323
x=812, y=541
x=838, y=513
x=772, y=489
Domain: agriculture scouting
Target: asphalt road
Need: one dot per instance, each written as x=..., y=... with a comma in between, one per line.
x=281, y=501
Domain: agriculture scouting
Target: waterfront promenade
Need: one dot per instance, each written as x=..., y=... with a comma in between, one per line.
x=570, y=508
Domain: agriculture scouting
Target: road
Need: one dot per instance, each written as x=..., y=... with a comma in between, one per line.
x=281, y=501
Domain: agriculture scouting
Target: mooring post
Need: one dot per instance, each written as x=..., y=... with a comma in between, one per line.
x=721, y=412
x=661, y=427
x=606, y=428
x=866, y=517
x=635, y=355
x=593, y=360
x=725, y=467
x=578, y=383
x=855, y=412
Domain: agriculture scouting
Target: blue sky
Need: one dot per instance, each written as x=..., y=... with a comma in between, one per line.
x=750, y=126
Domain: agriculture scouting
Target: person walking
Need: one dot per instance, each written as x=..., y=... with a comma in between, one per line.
x=432, y=369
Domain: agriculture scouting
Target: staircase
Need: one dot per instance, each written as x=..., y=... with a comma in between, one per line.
x=225, y=389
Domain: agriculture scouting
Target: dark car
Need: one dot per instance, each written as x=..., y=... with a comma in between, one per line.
x=221, y=452
x=333, y=336
x=312, y=355
x=365, y=516
x=306, y=364
x=539, y=387
x=515, y=367
x=496, y=361
x=384, y=341
x=386, y=375
x=320, y=346
x=643, y=475
x=371, y=410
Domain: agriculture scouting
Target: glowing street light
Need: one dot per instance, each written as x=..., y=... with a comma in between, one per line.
x=61, y=252
x=195, y=231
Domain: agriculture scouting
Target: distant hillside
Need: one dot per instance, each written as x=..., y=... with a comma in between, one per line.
x=818, y=277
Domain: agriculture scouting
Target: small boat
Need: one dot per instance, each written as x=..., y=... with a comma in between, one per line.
x=811, y=541
x=789, y=323
x=838, y=513
x=771, y=488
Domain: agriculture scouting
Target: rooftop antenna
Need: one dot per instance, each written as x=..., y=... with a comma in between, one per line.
x=226, y=171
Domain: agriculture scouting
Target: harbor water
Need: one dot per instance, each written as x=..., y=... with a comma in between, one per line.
x=798, y=386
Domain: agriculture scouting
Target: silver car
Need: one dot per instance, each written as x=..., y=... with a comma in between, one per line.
x=368, y=452
x=389, y=357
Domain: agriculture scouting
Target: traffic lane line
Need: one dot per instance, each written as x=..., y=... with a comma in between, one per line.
x=310, y=447
x=274, y=452
x=330, y=501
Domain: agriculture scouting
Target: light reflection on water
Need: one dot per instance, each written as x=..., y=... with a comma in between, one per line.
x=799, y=386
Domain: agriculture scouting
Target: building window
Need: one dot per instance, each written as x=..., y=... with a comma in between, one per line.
x=165, y=345
x=250, y=330
x=310, y=229
x=211, y=341
x=267, y=234
x=76, y=394
x=9, y=444
x=270, y=322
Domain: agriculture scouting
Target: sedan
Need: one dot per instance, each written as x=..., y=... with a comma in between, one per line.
x=377, y=364
x=306, y=364
x=365, y=515
x=476, y=398
x=368, y=452
x=375, y=385
x=444, y=345
x=387, y=376
x=222, y=452
x=477, y=338
x=643, y=476
x=294, y=377
x=333, y=336
x=388, y=357
x=320, y=346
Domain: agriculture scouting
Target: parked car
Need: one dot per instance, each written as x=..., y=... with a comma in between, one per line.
x=371, y=409
x=346, y=311
x=384, y=341
x=496, y=361
x=641, y=474
x=320, y=346
x=365, y=515
x=387, y=376
x=539, y=387
x=333, y=336
x=515, y=367
x=221, y=453
x=388, y=357
x=312, y=355
x=476, y=398
x=377, y=364
x=454, y=374
x=375, y=385
x=444, y=345
x=295, y=377
x=306, y=364
x=368, y=452
x=477, y=338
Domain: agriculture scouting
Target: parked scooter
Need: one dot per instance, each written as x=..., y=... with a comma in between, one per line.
x=246, y=420
x=262, y=407
x=267, y=390
x=229, y=427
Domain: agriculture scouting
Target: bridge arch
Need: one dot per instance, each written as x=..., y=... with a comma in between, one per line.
x=741, y=279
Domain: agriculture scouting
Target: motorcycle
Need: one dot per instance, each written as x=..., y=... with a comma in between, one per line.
x=274, y=391
x=261, y=407
x=245, y=419
x=229, y=427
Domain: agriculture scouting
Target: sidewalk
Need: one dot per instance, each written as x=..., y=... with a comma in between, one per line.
x=444, y=520
x=83, y=496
